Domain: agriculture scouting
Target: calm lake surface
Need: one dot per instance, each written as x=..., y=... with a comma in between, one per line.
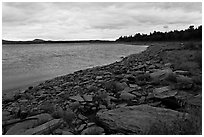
x=27, y=64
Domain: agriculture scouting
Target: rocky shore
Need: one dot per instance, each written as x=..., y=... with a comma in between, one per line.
x=146, y=93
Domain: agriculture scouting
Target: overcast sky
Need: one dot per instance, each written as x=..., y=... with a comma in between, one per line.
x=81, y=21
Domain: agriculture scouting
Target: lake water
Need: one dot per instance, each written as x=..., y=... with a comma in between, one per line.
x=27, y=64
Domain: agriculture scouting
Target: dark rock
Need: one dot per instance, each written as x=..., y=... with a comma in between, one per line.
x=136, y=119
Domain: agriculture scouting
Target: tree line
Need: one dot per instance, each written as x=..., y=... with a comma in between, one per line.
x=189, y=34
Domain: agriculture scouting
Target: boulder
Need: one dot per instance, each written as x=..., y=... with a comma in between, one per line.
x=165, y=74
x=87, y=97
x=164, y=92
x=33, y=121
x=45, y=128
x=127, y=96
x=136, y=119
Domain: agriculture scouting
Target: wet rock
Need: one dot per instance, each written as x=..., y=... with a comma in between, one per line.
x=77, y=98
x=136, y=119
x=93, y=130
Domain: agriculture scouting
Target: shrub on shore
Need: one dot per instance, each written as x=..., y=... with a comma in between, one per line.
x=185, y=126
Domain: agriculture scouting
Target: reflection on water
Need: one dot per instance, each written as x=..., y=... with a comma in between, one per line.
x=28, y=63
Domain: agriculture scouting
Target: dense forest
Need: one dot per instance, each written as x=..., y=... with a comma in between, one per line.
x=184, y=35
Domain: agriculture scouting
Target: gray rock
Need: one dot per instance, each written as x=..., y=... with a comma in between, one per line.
x=77, y=98
x=67, y=133
x=128, y=90
x=164, y=92
x=82, y=117
x=127, y=96
x=20, y=128
x=136, y=119
x=99, y=77
x=135, y=86
x=45, y=128
x=90, y=124
x=162, y=74
x=81, y=127
x=93, y=130
x=88, y=98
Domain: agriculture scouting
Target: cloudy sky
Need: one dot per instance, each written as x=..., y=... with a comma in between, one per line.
x=81, y=21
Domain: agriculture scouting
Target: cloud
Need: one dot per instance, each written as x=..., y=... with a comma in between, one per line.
x=72, y=21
